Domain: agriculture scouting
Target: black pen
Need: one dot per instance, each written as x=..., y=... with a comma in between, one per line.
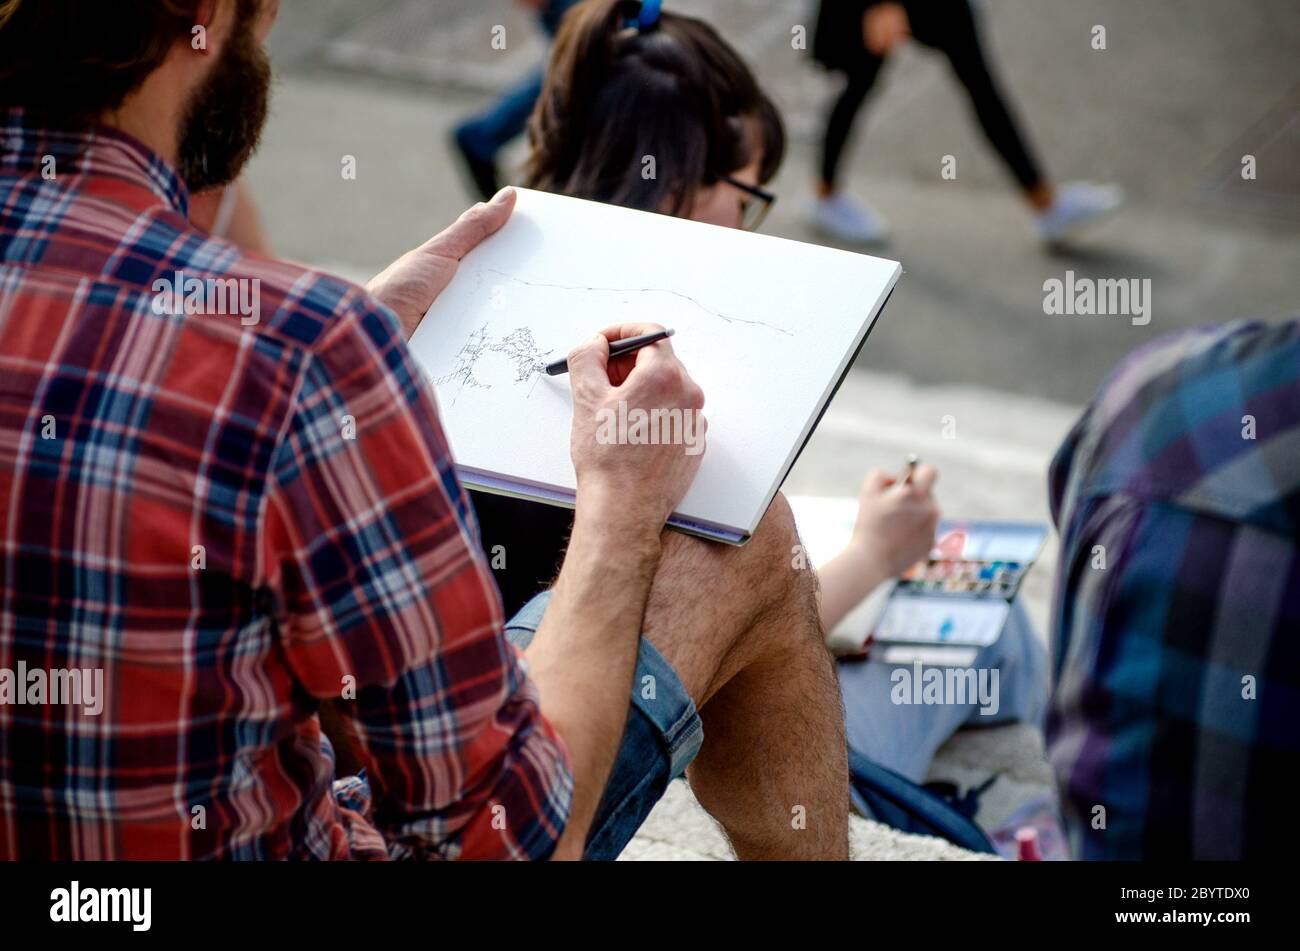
x=616, y=349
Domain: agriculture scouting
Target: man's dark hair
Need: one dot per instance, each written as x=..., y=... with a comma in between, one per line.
x=675, y=91
x=68, y=61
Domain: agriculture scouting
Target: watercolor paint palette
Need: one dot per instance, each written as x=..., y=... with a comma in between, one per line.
x=962, y=594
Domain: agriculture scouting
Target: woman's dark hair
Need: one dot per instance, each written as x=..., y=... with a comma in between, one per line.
x=643, y=118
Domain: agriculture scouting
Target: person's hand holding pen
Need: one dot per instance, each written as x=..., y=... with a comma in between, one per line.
x=897, y=517
x=897, y=520
x=641, y=481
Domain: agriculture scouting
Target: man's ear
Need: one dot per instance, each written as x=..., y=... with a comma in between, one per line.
x=204, y=14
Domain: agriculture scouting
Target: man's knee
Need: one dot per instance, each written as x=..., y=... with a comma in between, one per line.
x=777, y=561
x=768, y=572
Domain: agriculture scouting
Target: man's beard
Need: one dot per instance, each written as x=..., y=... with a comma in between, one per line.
x=224, y=119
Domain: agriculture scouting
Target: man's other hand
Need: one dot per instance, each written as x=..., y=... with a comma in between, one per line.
x=410, y=284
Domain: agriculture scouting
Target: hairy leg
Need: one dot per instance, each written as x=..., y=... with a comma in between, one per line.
x=741, y=628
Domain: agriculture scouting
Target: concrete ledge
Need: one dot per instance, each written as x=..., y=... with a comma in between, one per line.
x=680, y=830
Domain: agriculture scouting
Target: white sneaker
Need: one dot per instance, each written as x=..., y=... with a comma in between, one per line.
x=843, y=219
x=1077, y=204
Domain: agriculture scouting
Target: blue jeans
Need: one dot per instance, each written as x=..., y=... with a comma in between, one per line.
x=905, y=738
x=486, y=134
x=662, y=736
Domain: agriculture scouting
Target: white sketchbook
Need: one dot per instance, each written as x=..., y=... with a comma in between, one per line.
x=767, y=327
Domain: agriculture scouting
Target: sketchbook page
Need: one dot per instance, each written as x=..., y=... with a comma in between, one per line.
x=825, y=524
x=825, y=527
x=763, y=325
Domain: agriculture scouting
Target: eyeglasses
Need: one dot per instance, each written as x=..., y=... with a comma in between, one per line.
x=754, y=209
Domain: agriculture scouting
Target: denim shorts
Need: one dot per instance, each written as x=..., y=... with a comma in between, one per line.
x=662, y=735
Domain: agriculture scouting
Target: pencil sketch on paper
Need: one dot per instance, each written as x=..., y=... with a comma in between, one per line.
x=728, y=318
x=519, y=347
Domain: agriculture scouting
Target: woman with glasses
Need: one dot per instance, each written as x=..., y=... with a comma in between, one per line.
x=655, y=111
x=650, y=110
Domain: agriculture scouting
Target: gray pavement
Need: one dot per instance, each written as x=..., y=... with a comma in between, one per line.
x=1184, y=88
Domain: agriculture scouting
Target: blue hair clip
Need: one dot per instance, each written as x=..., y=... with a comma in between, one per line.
x=649, y=15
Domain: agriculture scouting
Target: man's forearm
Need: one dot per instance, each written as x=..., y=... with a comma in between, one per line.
x=584, y=653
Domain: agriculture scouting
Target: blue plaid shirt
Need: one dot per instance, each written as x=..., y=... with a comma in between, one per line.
x=1173, y=727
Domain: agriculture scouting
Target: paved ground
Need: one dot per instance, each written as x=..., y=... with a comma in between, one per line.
x=1184, y=88
x=680, y=830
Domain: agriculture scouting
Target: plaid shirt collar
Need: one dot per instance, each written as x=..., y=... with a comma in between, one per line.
x=98, y=150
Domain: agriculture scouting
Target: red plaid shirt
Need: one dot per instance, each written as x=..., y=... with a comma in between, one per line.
x=232, y=521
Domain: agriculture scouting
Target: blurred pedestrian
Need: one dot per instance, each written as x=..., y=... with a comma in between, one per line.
x=855, y=37
x=481, y=138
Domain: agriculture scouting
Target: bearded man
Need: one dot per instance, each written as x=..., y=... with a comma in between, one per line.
x=245, y=520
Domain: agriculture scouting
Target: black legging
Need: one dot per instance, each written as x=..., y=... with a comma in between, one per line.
x=949, y=27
